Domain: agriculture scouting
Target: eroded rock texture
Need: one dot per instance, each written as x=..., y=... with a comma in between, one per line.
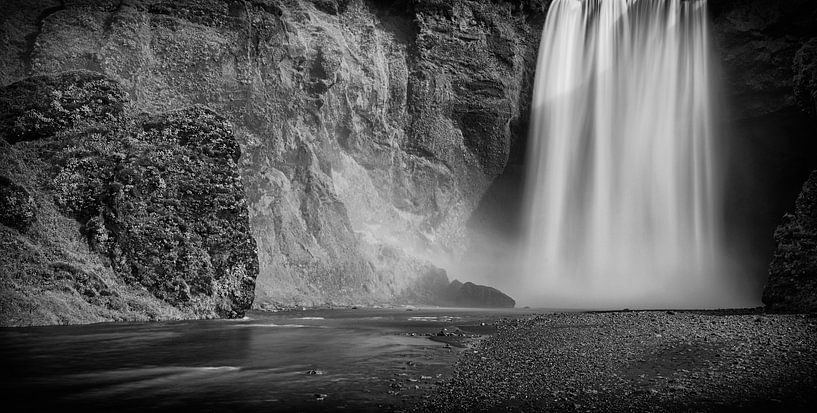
x=365, y=127
x=141, y=216
x=17, y=207
x=792, y=282
x=769, y=139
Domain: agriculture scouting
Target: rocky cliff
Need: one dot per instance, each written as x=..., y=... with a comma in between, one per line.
x=792, y=283
x=109, y=215
x=769, y=140
x=369, y=130
x=766, y=52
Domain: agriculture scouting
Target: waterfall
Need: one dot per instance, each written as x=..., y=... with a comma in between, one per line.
x=623, y=180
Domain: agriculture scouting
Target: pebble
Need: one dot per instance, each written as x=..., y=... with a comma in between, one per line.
x=617, y=361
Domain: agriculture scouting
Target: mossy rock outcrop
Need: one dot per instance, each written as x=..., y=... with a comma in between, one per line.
x=792, y=285
x=40, y=106
x=157, y=199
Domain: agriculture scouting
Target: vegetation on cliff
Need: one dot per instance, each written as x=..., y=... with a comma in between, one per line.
x=139, y=217
x=365, y=127
x=792, y=282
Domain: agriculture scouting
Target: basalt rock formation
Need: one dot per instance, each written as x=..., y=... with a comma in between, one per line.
x=792, y=282
x=468, y=294
x=140, y=217
x=773, y=144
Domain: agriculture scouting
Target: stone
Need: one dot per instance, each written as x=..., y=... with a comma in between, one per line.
x=472, y=295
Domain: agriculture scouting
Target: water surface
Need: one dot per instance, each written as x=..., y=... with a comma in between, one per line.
x=316, y=360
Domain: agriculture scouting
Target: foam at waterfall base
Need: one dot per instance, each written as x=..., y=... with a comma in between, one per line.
x=635, y=293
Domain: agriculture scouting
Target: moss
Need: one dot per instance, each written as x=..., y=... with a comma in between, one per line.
x=158, y=196
x=17, y=207
x=40, y=106
x=792, y=284
x=165, y=202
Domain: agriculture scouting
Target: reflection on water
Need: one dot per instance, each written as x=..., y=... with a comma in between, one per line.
x=308, y=360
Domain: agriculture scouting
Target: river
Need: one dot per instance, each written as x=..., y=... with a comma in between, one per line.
x=313, y=360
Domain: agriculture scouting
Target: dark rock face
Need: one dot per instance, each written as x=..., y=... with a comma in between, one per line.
x=756, y=42
x=17, y=207
x=473, y=295
x=792, y=282
x=792, y=274
x=159, y=196
x=768, y=140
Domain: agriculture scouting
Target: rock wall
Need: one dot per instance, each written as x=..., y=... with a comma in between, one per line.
x=370, y=130
x=112, y=216
x=792, y=283
x=770, y=142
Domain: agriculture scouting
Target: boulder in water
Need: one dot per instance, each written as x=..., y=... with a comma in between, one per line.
x=472, y=295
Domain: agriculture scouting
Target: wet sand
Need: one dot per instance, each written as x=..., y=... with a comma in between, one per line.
x=677, y=361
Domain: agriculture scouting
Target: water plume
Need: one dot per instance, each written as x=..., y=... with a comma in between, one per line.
x=623, y=183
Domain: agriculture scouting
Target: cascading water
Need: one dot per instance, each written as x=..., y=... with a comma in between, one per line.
x=623, y=179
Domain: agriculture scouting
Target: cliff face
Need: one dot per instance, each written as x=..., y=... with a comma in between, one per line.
x=773, y=143
x=369, y=131
x=792, y=284
x=108, y=216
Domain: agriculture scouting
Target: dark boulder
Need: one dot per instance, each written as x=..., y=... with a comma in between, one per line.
x=17, y=207
x=792, y=284
x=472, y=295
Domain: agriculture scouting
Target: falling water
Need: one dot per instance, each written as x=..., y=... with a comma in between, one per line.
x=623, y=179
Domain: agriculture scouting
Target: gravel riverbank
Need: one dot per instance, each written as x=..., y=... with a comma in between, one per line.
x=638, y=361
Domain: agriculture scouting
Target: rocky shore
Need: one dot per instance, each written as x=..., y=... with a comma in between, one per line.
x=674, y=361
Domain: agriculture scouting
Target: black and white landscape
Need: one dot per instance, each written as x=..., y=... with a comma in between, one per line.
x=418, y=205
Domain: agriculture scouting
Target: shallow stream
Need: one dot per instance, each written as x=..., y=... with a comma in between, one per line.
x=314, y=360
